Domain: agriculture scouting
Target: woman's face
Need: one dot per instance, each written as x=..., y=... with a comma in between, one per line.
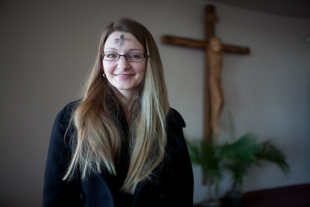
x=125, y=76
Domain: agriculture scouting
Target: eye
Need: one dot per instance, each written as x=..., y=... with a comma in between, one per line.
x=136, y=56
x=110, y=56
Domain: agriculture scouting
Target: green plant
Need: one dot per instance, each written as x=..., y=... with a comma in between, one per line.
x=253, y=153
x=236, y=158
x=207, y=155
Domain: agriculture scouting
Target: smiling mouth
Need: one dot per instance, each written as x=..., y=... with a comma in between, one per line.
x=123, y=76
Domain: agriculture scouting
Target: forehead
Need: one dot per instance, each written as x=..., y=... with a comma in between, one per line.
x=122, y=40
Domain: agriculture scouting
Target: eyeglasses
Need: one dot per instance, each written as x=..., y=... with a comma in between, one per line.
x=131, y=57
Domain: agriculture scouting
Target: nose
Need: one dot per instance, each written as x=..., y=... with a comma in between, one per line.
x=122, y=63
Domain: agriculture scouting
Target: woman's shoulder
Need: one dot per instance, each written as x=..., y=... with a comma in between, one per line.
x=175, y=124
x=175, y=137
x=175, y=118
x=64, y=115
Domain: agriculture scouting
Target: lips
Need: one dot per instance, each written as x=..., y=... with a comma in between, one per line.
x=123, y=76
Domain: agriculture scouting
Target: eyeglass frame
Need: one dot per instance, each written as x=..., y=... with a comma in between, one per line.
x=125, y=56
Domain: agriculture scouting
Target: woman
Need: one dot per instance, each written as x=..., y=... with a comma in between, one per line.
x=121, y=144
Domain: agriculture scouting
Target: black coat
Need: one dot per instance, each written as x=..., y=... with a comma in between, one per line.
x=173, y=184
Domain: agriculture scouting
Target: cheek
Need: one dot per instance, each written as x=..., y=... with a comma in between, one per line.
x=107, y=67
x=141, y=69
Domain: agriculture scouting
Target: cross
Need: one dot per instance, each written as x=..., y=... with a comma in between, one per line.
x=121, y=40
x=210, y=19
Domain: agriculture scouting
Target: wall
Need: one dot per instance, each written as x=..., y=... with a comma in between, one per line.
x=48, y=47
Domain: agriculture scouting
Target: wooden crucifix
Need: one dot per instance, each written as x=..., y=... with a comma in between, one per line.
x=213, y=53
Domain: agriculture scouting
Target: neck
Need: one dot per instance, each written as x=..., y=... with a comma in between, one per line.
x=126, y=100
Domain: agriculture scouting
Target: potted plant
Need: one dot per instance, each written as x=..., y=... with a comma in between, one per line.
x=211, y=157
x=207, y=155
x=236, y=158
x=252, y=154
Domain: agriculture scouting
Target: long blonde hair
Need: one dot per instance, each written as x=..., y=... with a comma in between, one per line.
x=99, y=136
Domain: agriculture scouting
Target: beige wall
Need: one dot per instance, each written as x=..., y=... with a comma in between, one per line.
x=47, y=48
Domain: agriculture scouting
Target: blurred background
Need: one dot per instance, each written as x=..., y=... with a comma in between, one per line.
x=47, y=47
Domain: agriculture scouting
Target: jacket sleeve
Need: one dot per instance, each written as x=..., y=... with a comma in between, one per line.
x=179, y=182
x=57, y=192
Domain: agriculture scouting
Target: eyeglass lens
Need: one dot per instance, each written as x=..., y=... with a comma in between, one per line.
x=132, y=57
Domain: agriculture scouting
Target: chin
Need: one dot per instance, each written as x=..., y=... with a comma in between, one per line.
x=127, y=88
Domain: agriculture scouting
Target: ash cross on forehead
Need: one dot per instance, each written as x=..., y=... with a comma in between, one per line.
x=122, y=39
